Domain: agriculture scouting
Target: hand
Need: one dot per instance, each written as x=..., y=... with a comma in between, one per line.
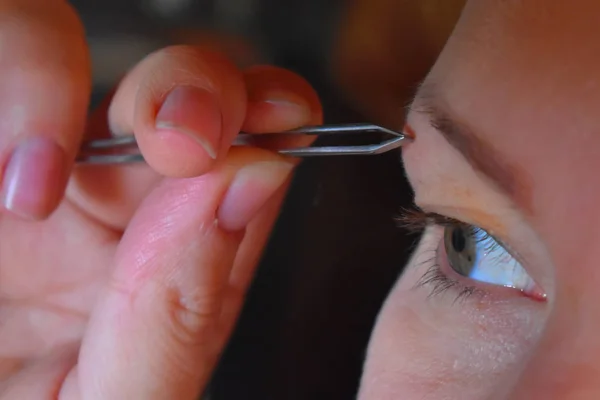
x=125, y=282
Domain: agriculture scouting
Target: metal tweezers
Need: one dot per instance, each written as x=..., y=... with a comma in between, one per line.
x=124, y=150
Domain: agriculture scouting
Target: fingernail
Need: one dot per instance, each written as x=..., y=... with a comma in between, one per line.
x=34, y=178
x=250, y=189
x=193, y=112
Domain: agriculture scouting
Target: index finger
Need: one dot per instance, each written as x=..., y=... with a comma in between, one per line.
x=187, y=104
x=44, y=94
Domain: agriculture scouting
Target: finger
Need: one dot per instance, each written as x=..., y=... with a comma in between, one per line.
x=244, y=266
x=42, y=378
x=278, y=100
x=160, y=316
x=110, y=194
x=185, y=105
x=44, y=87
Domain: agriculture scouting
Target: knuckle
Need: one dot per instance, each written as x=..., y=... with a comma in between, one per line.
x=191, y=316
x=185, y=317
x=180, y=323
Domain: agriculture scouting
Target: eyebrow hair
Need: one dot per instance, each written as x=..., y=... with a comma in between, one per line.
x=480, y=154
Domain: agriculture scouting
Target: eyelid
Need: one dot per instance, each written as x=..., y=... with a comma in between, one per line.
x=443, y=185
x=475, y=149
x=416, y=220
x=444, y=182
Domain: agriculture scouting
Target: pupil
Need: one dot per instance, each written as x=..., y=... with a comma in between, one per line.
x=459, y=242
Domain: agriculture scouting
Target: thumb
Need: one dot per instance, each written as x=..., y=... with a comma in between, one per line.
x=155, y=333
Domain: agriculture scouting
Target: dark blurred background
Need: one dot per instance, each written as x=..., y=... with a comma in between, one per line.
x=335, y=251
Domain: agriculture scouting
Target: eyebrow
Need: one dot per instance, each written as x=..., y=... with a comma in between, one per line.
x=480, y=154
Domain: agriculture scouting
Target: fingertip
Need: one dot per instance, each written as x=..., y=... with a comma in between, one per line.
x=34, y=178
x=250, y=190
x=187, y=135
x=277, y=113
x=45, y=96
x=186, y=104
x=279, y=100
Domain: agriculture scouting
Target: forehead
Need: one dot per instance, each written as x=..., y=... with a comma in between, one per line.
x=525, y=76
x=526, y=55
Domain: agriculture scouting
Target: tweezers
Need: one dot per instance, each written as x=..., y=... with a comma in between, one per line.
x=124, y=149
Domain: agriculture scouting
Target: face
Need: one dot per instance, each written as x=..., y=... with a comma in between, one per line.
x=500, y=300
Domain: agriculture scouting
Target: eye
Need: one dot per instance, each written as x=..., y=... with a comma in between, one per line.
x=472, y=253
x=464, y=255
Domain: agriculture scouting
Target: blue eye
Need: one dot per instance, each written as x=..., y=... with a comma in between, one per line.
x=473, y=253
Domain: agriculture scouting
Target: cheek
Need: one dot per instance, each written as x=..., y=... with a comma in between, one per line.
x=435, y=348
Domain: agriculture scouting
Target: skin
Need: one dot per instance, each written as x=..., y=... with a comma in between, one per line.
x=150, y=261
x=522, y=76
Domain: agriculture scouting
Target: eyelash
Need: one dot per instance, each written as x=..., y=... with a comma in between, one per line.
x=416, y=221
